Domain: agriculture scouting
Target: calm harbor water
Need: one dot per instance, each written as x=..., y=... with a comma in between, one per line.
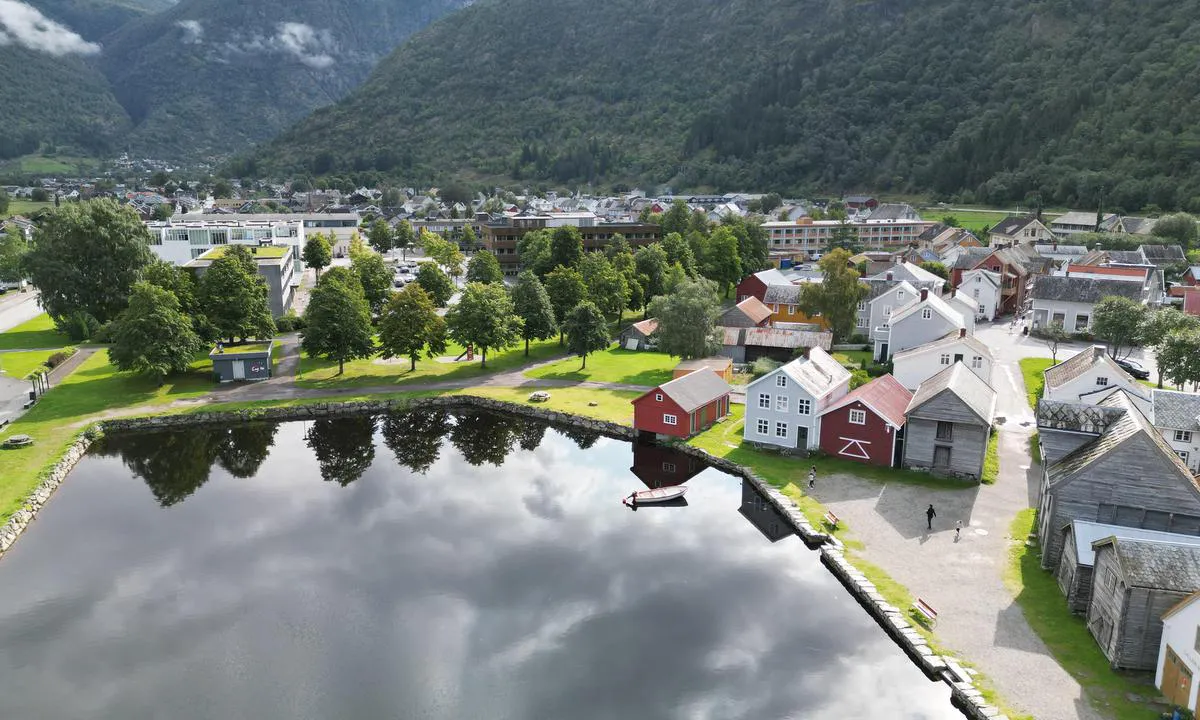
x=426, y=565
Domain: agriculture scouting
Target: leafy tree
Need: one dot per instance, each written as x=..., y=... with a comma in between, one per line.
x=566, y=247
x=722, y=264
x=375, y=278
x=415, y=436
x=380, y=235
x=951, y=221
x=566, y=289
x=587, y=330
x=687, y=320
x=151, y=336
x=4, y=201
x=164, y=211
x=40, y=195
x=1054, y=335
x=484, y=268
x=751, y=242
x=698, y=242
x=445, y=253
x=183, y=285
x=769, y=202
x=674, y=277
x=410, y=326
x=85, y=259
x=1179, y=357
x=222, y=189
x=338, y=320
x=469, y=239
x=1159, y=324
x=344, y=447
x=652, y=265
x=605, y=286
x=936, y=268
x=317, y=253
x=533, y=248
x=1118, y=322
x=679, y=251
x=836, y=297
x=13, y=249
x=532, y=304
x=845, y=237
x=676, y=219
x=233, y=296
x=484, y=318
x=1179, y=228
x=617, y=245
x=433, y=281
x=403, y=238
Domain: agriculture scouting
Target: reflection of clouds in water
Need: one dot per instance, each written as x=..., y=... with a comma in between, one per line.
x=526, y=591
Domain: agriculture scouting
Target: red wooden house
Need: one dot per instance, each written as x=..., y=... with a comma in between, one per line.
x=866, y=425
x=684, y=406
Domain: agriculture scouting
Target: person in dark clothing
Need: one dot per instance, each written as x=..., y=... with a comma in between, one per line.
x=930, y=514
x=812, y=477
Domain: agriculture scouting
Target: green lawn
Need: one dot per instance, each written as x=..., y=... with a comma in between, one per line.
x=24, y=207
x=34, y=334
x=1067, y=636
x=20, y=364
x=58, y=417
x=611, y=405
x=319, y=373
x=1031, y=371
x=975, y=219
x=613, y=365
x=43, y=165
x=991, y=460
x=854, y=358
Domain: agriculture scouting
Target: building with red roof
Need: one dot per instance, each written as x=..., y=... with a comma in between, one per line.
x=866, y=425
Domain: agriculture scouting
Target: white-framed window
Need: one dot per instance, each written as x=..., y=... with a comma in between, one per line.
x=887, y=310
x=862, y=305
x=670, y=419
x=926, y=313
x=860, y=322
x=791, y=309
x=764, y=401
x=781, y=430
x=945, y=359
x=899, y=295
x=1081, y=323
x=858, y=417
x=1102, y=381
x=1183, y=455
x=781, y=403
x=781, y=380
x=1183, y=436
x=763, y=427
x=803, y=406
x=976, y=362
x=657, y=397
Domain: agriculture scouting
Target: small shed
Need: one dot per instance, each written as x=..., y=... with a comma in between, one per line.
x=722, y=366
x=637, y=335
x=251, y=361
x=750, y=312
x=948, y=424
x=682, y=407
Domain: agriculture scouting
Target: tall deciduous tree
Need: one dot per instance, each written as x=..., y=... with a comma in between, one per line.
x=375, y=277
x=676, y=219
x=152, y=336
x=1179, y=357
x=317, y=253
x=587, y=330
x=1118, y=322
x=1178, y=228
x=469, y=239
x=679, y=251
x=1159, y=324
x=484, y=268
x=652, y=264
x=534, y=251
x=233, y=296
x=751, y=242
x=722, y=263
x=836, y=297
x=531, y=302
x=484, y=318
x=433, y=281
x=86, y=258
x=411, y=326
x=338, y=320
x=687, y=320
x=605, y=286
x=380, y=235
x=403, y=238
x=566, y=289
x=13, y=249
x=566, y=247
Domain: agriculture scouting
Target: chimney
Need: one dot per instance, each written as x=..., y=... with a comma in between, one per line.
x=924, y=294
x=1098, y=351
x=962, y=332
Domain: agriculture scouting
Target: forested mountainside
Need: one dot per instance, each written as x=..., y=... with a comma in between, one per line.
x=1079, y=100
x=93, y=19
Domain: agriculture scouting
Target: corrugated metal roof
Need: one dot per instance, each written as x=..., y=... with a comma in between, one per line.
x=1086, y=532
x=776, y=338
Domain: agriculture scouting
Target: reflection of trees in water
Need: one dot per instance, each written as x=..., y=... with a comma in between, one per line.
x=582, y=437
x=345, y=447
x=175, y=464
x=482, y=436
x=415, y=436
x=529, y=433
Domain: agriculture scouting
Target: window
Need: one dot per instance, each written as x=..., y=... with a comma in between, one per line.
x=781, y=403
x=945, y=431
x=860, y=322
x=862, y=305
x=791, y=309
x=858, y=417
x=763, y=427
x=1059, y=318
x=976, y=363
x=764, y=401
x=657, y=397
x=945, y=359
x=1081, y=323
x=1110, y=578
x=887, y=310
x=1183, y=455
x=670, y=419
x=1183, y=436
x=804, y=407
x=781, y=380
x=976, y=293
x=669, y=467
x=1102, y=381
x=781, y=430
x=926, y=313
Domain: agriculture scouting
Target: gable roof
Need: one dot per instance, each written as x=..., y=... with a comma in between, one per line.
x=776, y=337
x=1012, y=225
x=1154, y=564
x=884, y=395
x=958, y=380
x=1076, y=417
x=786, y=294
x=1086, y=532
x=910, y=272
x=1168, y=253
x=693, y=390
x=949, y=341
x=771, y=276
x=752, y=308
x=1079, y=363
x=646, y=327
x=935, y=303
x=1176, y=410
x=818, y=373
x=991, y=277
x=887, y=289
x=1083, y=290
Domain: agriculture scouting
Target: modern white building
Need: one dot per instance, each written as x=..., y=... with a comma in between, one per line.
x=1088, y=377
x=916, y=365
x=1179, y=653
x=179, y=242
x=983, y=286
x=783, y=407
x=1177, y=417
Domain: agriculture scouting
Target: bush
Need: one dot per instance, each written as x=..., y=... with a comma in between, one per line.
x=103, y=334
x=79, y=326
x=878, y=369
x=762, y=366
x=859, y=377
x=289, y=322
x=858, y=339
x=58, y=358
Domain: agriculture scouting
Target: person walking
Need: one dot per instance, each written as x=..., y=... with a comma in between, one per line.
x=957, y=529
x=930, y=514
x=812, y=477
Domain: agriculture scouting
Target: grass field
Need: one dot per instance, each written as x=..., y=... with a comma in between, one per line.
x=612, y=365
x=1031, y=371
x=42, y=165
x=854, y=358
x=1067, y=636
x=319, y=373
x=35, y=334
x=610, y=405
x=24, y=207
x=19, y=364
x=974, y=219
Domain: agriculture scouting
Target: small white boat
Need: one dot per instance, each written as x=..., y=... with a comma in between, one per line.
x=658, y=495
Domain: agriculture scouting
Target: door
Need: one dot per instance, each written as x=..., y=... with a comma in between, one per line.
x=1177, y=679
x=883, y=352
x=941, y=457
x=801, y=437
x=958, y=357
x=239, y=369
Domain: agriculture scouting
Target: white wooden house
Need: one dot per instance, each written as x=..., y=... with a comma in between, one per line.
x=1179, y=653
x=916, y=365
x=984, y=287
x=1088, y=377
x=783, y=407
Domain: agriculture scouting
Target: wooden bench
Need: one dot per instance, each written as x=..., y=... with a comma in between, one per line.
x=925, y=609
x=831, y=520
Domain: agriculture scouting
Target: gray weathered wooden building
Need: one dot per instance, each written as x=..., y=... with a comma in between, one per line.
x=1135, y=582
x=948, y=424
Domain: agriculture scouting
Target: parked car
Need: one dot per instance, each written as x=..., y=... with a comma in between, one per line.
x=400, y=282
x=1134, y=368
